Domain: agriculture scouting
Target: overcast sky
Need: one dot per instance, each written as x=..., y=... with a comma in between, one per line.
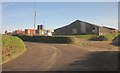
x=53, y=15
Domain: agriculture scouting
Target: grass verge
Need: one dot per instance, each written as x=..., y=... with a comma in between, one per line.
x=11, y=47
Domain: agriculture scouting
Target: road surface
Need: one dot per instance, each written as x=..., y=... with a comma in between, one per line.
x=61, y=57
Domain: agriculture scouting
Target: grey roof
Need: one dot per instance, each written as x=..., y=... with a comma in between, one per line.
x=109, y=28
x=85, y=22
x=77, y=21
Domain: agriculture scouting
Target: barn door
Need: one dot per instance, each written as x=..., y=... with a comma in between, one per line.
x=83, y=27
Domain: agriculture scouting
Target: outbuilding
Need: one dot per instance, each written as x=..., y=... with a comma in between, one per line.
x=81, y=27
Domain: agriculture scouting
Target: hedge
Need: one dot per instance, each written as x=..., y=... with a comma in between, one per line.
x=47, y=39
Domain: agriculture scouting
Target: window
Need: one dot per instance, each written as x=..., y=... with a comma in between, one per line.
x=93, y=30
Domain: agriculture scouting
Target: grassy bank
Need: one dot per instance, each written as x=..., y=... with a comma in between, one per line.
x=111, y=36
x=116, y=41
x=11, y=47
x=107, y=37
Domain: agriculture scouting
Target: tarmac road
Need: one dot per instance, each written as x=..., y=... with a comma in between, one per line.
x=61, y=57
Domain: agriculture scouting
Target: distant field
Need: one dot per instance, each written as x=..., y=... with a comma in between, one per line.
x=11, y=47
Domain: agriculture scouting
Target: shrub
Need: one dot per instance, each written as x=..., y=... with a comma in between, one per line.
x=99, y=38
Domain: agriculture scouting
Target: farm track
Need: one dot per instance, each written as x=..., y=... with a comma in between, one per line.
x=61, y=57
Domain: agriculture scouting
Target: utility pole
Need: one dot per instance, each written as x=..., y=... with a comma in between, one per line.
x=35, y=18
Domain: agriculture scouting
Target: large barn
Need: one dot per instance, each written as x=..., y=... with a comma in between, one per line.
x=82, y=27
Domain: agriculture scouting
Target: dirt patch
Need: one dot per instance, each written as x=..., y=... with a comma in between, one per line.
x=96, y=45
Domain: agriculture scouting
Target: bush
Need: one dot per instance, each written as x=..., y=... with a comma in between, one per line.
x=99, y=38
x=11, y=47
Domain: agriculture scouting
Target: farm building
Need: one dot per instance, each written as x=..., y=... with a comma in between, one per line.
x=81, y=27
x=19, y=32
x=30, y=31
